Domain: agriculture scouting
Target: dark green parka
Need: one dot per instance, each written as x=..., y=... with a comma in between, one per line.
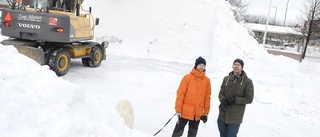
x=240, y=87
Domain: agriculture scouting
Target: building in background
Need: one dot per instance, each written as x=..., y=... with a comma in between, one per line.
x=278, y=35
x=279, y=38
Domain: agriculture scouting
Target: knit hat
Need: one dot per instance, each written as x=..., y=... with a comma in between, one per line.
x=200, y=60
x=239, y=61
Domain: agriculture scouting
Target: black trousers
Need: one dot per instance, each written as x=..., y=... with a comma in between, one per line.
x=181, y=123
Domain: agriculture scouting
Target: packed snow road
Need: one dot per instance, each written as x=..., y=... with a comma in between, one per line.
x=150, y=85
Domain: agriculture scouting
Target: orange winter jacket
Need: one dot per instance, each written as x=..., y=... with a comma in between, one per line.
x=193, y=95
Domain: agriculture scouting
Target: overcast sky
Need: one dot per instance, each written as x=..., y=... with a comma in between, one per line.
x=260, y=7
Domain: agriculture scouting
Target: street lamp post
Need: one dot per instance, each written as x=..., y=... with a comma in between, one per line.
x=275, y=15
x=265, y=31
x=285, y=16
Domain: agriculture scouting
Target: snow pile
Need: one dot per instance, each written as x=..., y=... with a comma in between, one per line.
x=181, y=29
x=36, y=103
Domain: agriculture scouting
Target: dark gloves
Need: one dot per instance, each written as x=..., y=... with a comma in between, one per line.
x=222, y=107
x=178, y=115
x=231, y=101
x=204, y=118
x=225, y=102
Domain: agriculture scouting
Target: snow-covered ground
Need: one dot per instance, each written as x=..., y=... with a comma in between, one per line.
x=155, y=45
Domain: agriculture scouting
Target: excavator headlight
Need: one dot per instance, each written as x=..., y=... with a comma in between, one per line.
x=60, y=30
x=7, y=24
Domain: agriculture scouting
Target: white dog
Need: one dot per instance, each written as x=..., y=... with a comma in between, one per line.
x=125, y=110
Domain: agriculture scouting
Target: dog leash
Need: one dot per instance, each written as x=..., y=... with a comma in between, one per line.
x=165, y=124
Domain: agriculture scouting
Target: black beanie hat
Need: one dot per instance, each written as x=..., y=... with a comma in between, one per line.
x=239, y=61
x=200, y=60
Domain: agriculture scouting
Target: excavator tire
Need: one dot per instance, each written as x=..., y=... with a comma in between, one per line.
x=96, y=57
x=59, y=61
x=47, y=55
x=85, y=62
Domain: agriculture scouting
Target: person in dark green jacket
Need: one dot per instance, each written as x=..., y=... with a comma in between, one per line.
x=236, y=91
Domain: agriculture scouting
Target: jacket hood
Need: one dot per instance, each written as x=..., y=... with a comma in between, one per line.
x=243, y=74
x=197, y=73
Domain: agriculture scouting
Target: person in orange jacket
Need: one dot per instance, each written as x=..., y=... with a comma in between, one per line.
x=193, y=100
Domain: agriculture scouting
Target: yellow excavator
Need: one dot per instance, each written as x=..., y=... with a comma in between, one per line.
x=52, y=32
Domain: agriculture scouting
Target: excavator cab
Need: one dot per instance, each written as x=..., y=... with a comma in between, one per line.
x=60, y=5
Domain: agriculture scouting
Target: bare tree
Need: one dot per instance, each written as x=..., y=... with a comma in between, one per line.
x=257, y=19
x=240, y=4
x=240, y=8
x=310, y=17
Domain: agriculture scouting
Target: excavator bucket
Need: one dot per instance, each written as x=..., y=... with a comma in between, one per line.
x=36, y=54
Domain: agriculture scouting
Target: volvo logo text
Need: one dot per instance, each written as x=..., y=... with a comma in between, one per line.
x=30, y=26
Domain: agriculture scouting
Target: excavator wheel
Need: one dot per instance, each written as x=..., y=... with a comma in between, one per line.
x=96, y=57
x=47, y=55
x=85, y=62
x=59, y=61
